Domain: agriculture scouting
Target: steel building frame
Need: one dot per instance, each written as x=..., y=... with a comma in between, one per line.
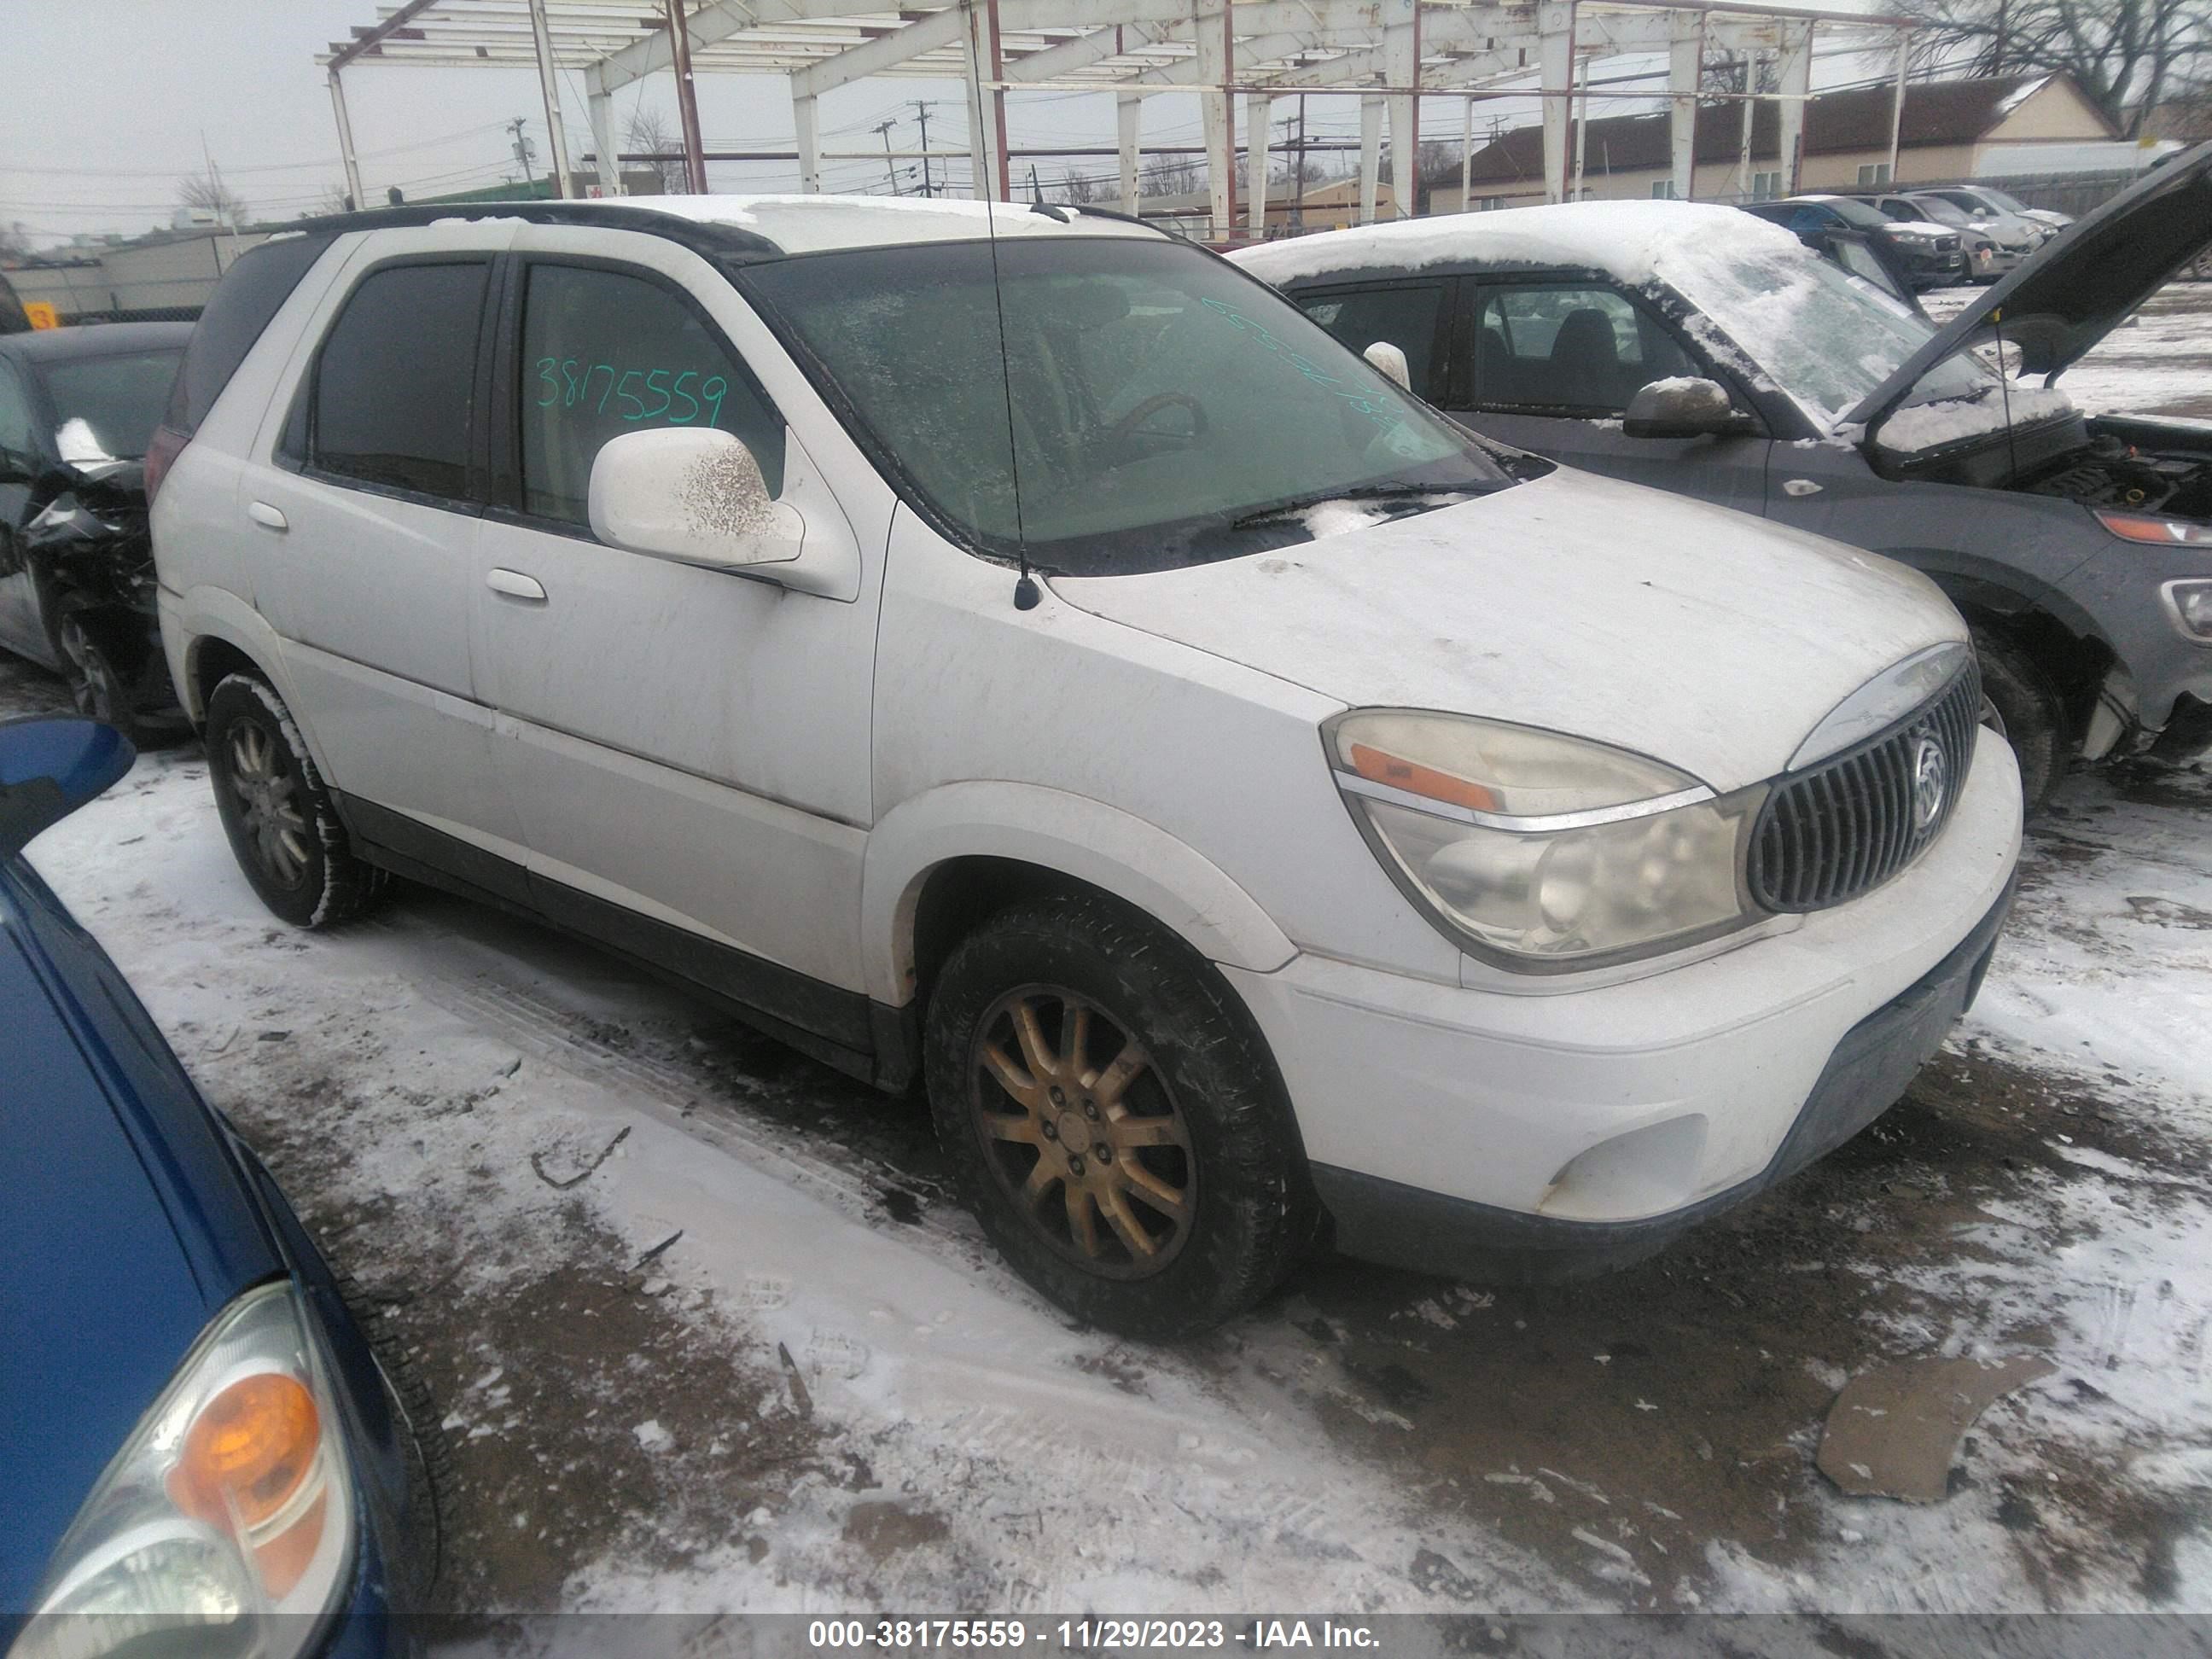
x=1388, y=53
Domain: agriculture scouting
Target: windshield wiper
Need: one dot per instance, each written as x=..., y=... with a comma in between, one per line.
x=1389, y=492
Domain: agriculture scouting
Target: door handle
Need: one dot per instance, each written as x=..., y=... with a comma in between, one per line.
x=1800, y=486
x=514, y=585
x=266, y=516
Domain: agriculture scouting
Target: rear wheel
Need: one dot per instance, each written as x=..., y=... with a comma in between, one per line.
x=1113, y=1119
x=282, y=826
x=95, y=686
x=2030, y=714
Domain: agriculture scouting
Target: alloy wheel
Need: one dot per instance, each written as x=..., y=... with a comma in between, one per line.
x=268, y=803
x=1083, y=1131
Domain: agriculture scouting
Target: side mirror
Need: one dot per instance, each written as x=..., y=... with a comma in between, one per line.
x=1392, y=362
x=692, y=494
x=1681, y=408
x=51, y=765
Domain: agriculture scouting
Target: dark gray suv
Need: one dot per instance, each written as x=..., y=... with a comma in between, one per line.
x=1701, y=351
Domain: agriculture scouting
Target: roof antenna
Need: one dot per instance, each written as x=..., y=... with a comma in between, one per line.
x=1026, y=587
x=2004, y=390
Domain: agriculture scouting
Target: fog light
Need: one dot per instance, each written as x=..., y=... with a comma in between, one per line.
x=2191, y=604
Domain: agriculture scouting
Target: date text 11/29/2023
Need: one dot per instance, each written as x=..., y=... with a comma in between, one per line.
x=1087, y=1635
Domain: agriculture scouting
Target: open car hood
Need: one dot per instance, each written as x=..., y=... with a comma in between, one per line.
x=2080, y=285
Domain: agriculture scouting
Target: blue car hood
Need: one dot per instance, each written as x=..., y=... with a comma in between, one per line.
x=123, y=1223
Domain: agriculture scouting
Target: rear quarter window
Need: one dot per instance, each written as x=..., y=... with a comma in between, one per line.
x=251, y=292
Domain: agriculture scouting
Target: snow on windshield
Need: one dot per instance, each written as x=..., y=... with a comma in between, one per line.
x=1825, y=337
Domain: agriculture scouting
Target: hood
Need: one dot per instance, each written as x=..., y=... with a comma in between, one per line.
x=1703, y=638
x=2081, y=284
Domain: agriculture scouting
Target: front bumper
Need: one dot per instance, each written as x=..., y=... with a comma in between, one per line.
x=1403, y=1226
x=1628, y=1103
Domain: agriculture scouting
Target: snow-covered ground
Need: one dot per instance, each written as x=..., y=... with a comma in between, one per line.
x=2161, y=362
x=754, y=1357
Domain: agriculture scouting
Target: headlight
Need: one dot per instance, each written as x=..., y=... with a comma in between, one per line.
x=2191, y=604
x=1545, y=852
x=2153, y=529
x=230, y=1508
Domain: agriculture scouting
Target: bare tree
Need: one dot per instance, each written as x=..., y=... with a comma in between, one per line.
x=648, y=133
x=1078, y=187
x=210, y=195
x=2125, y=55
x=1727, y=72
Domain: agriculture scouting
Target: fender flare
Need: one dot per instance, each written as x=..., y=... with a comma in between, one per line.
x=201, y=615
x=1112, y=850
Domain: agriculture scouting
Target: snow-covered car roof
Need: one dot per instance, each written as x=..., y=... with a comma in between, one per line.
x=821, y=224
x=1635, y=242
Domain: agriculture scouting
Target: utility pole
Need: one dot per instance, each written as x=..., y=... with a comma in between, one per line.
x=522, y=148
x=890, y=167
x=921, y=112
x=1298, y=188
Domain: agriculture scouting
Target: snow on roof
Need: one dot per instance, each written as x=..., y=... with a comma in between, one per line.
x=1637, y=242
x=2020, y=95
x=817, y=224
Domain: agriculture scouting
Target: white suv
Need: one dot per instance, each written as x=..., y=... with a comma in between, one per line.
x=1351, y=828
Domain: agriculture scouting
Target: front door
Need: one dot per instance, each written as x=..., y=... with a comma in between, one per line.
x=1550, y=365
x=687, y=748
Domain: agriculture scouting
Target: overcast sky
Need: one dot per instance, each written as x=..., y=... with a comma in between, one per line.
x=106, y=105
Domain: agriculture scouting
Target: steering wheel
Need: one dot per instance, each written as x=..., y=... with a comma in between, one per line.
x=1126, y=427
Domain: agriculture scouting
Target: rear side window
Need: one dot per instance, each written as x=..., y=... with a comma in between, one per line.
x=251, y=292
x=606, y=353
x=397, y=378
x=1404, y=314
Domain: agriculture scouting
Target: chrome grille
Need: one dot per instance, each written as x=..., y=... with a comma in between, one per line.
x=1847, y=825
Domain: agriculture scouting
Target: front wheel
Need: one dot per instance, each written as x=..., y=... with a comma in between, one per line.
x=95, y=686
x=283, y=828
x=2030, y=714
x=1112, y=1118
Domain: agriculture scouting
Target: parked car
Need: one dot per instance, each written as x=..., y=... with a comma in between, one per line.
x=77, y=406
x=1990, y=254
x=2081, y=550
x=204, y=1453
x=2025, y=227
x=14, y=319
x=1931, y=256
x=1988, y=196
x=1865, y=256
x=1250, y=803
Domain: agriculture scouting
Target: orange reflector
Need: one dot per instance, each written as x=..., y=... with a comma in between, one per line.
x=247, y=1451
x=1378, y=766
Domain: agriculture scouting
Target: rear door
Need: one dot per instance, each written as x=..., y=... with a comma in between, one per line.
x=687, y=748
x=363, y=502
x=1550, y=365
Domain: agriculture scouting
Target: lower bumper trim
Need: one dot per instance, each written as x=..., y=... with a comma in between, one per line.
x=1381, y=1220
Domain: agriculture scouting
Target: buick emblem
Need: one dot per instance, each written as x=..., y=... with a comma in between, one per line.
x=1931, y=779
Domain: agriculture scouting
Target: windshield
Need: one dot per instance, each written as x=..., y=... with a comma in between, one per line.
x=1949, y=212
x=1998, y=198
x=108, y=407
x=1823, y=336
x=1865, y=214
x=1164, y=405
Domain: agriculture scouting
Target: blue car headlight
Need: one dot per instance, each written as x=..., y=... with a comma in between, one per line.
x=229, y=1511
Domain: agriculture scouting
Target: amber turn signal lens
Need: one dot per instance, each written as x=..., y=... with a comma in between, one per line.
x=248, y=1451
x=1378, y=766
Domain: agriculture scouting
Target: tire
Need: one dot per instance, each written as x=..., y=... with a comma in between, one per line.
x=1196, y=1211
x=2030, y=714
x=99, y=691
x=284, y=829
x=427, y=1451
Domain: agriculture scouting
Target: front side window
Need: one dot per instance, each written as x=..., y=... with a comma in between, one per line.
x=605, y=352
x=1404, y=314
x=1566, y=348
x=108, y=407
x=395, y=382
x=1151, y=407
